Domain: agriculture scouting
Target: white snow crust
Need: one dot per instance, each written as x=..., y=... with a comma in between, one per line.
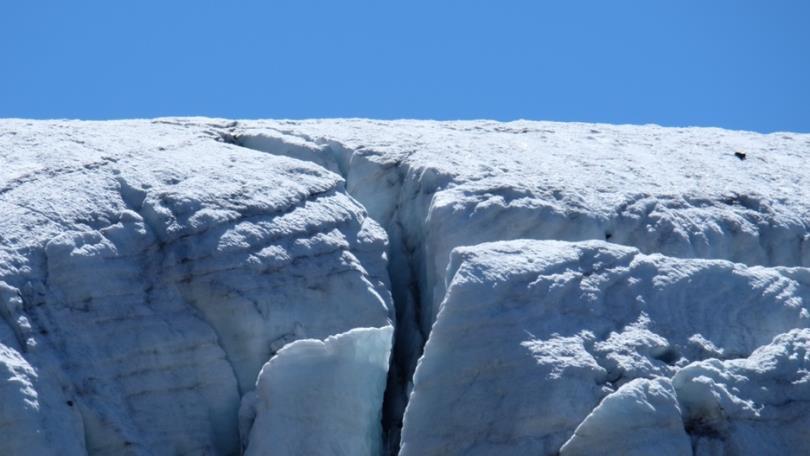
x=150, y=268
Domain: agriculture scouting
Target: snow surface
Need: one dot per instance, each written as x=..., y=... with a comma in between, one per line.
x=149, y=269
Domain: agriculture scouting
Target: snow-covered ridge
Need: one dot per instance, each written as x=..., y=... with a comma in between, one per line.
x=149, y=269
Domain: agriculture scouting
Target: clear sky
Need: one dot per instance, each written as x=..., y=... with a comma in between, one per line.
x=732, y=63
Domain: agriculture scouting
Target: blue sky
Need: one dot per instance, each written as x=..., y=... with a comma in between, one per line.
x=736, y=64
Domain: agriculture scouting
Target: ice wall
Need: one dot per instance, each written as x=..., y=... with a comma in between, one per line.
x=151, y=268
x=537, y=339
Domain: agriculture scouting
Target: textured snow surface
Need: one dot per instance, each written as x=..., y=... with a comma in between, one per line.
x=150, y=269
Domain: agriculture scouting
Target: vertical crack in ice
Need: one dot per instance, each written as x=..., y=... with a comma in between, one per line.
x=402, y=267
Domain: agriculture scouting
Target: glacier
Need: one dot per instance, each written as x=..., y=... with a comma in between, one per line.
x=351, y=286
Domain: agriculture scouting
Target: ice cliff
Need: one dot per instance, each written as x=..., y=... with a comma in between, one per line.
x=529, y=327
x=203, y=286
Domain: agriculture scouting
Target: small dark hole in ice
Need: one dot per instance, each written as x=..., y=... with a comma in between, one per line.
x=69, y=403
x=702, y=427
x=669, y=356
